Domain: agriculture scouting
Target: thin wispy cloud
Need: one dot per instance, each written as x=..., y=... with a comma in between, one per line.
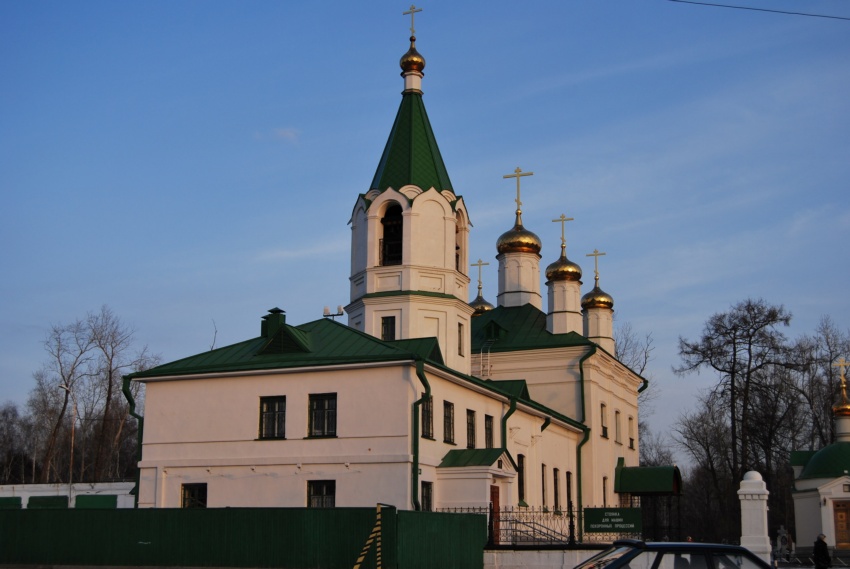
x=334, y=246
x=286, y=134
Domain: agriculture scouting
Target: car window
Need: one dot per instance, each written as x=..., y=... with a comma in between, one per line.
x=605, y=558
x=683, y=560
x=733, y=561
x=642, y=561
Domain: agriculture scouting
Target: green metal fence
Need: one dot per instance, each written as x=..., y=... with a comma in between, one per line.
x=240, y=537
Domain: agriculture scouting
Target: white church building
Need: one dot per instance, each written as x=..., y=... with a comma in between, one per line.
x=424, y=400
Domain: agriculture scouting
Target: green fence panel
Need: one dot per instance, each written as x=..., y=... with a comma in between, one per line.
x=225, y=537
x=10, y=503
x=450, y=541
x=47, y=502
x=96, y=501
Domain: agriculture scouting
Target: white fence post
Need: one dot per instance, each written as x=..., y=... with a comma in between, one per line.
x=753, y=495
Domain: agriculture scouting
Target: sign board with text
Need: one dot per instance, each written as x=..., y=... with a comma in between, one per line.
x=612, y=520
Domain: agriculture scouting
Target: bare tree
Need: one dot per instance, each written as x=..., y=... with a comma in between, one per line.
x=633, y=351
x=739, y=345
x=69, y=349
x=83, y=374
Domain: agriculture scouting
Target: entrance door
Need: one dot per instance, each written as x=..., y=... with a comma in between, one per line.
x=841, y=515
x=494, y=502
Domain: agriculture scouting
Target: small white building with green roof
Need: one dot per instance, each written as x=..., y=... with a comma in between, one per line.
x=423, y=400
x=822, y=485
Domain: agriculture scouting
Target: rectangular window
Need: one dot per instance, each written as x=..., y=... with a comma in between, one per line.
x=428, y=418
x=273, y=417
x=604, y=491
x=470, y=428
x=460, y=338
x=556, y=488
x=323, y=415
x=618, y=436
x=543, y=483
x=569, y=482
x=520, y=475
x=388, y=328
x=448, y=422
x=427, y=496
x=321, y=493
x=194, y=495
x=488, y=431
x=631, y=432
x=603, y=411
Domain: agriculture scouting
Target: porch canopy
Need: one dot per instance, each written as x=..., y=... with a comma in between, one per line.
x=647, y=480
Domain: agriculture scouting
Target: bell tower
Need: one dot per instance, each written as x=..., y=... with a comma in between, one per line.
x=410, y=237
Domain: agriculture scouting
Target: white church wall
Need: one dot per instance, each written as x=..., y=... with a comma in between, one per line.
x=552, y=375
x=807, y=514
x=182, y=445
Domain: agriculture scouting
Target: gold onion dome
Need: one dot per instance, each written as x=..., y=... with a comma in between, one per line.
x=412, y=60
x=563, y=270
x=480, y=306
x=841, y=409
x=597, y=298
x=519, y=240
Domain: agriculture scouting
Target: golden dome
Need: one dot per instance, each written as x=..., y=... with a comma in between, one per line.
x=412, y=60
x=597, y=298
x=841, y=409
x=563, y=270
x=519, y=240
x=480, y=305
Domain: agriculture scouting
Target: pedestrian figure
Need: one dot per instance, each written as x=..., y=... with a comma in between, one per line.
x=821, y=553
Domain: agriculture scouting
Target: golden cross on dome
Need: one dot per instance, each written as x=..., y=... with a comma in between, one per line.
x=412, y=12
x=563, y=221
x=479, y=264
x=843, y=365
x=596, y=254
x=518, y=173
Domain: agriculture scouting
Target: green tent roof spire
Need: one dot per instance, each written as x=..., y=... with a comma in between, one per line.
x=411, y=155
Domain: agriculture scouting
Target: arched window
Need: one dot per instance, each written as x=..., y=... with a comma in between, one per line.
x=391, y=242
x=460, y=251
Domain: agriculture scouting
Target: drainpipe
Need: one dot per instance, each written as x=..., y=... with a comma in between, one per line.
x=510, y=412
x=590, y=352
x=414, y=472
x=141, y=420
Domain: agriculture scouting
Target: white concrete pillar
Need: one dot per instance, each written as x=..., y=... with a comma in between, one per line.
x=753, y=495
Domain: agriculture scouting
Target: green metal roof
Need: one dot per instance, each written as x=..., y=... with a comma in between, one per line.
x=505, y=329
x=515, y=387
x=426, y=348
x=831, y=461
x=411, y=155
x=644, y=480
x=321, y=342
x=327, y=342
x=473, y=457
x=801, y=457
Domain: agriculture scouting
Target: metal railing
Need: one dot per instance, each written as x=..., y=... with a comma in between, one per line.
x=529, y=527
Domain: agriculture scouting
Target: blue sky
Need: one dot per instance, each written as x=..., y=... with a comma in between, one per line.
x=192, y=164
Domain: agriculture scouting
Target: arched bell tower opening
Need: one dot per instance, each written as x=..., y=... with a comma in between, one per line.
x=461, y=240
x=392, y=237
